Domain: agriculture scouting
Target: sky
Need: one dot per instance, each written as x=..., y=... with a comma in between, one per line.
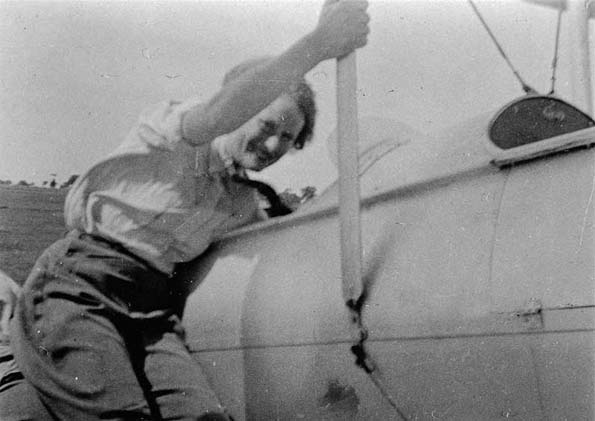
x=74, y=76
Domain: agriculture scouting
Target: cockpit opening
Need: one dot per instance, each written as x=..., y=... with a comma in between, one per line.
x=533, y=118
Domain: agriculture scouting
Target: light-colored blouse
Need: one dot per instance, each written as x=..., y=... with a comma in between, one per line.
x=159, y=196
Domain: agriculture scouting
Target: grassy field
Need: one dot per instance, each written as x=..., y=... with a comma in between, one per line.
x=31, y=218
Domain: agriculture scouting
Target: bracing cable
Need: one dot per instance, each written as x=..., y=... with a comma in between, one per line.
x=556, y=45
x=526, y=87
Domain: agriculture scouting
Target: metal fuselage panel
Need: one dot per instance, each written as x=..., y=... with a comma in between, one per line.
x=481, y=300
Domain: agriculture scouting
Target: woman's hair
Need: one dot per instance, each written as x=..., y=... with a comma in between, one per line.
x=300, y=92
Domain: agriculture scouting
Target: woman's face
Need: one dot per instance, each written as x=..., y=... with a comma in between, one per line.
x=268, y=136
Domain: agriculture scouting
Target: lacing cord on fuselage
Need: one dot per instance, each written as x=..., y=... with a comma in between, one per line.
x=363, y=359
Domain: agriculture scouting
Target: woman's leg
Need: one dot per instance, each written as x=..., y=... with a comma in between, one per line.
x=180, y=386
x=94, y=356
x=18, y=400
x=68, y=347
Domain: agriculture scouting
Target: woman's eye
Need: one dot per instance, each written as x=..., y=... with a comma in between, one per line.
x=286, y=137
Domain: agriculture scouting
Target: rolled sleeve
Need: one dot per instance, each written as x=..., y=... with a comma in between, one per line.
x=161, y=126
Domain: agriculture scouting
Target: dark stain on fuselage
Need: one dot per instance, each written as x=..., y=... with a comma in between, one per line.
x=339, y=398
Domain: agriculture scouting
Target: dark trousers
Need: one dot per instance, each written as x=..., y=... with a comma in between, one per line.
x=97, y=335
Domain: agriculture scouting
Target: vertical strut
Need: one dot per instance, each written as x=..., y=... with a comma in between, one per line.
x=349, y=215
x=349, y=194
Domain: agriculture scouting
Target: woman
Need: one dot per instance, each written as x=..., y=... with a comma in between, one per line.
x=97, y=331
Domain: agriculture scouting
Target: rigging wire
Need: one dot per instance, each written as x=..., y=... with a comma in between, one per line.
x=528, y=89
x=556, y=45
x=525, y=86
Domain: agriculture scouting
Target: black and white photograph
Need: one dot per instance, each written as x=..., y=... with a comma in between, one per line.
x=254, y=210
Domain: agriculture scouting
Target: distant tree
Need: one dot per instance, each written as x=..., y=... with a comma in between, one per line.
x=70, y=181
x=308, y=193
x=53, y=182
x=5, y=182
x=293, y=200
x=24, y=183
x=45, y=183
x=290, y=199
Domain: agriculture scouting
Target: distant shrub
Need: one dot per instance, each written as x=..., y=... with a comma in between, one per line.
x=70, y=181
x=293, y=200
